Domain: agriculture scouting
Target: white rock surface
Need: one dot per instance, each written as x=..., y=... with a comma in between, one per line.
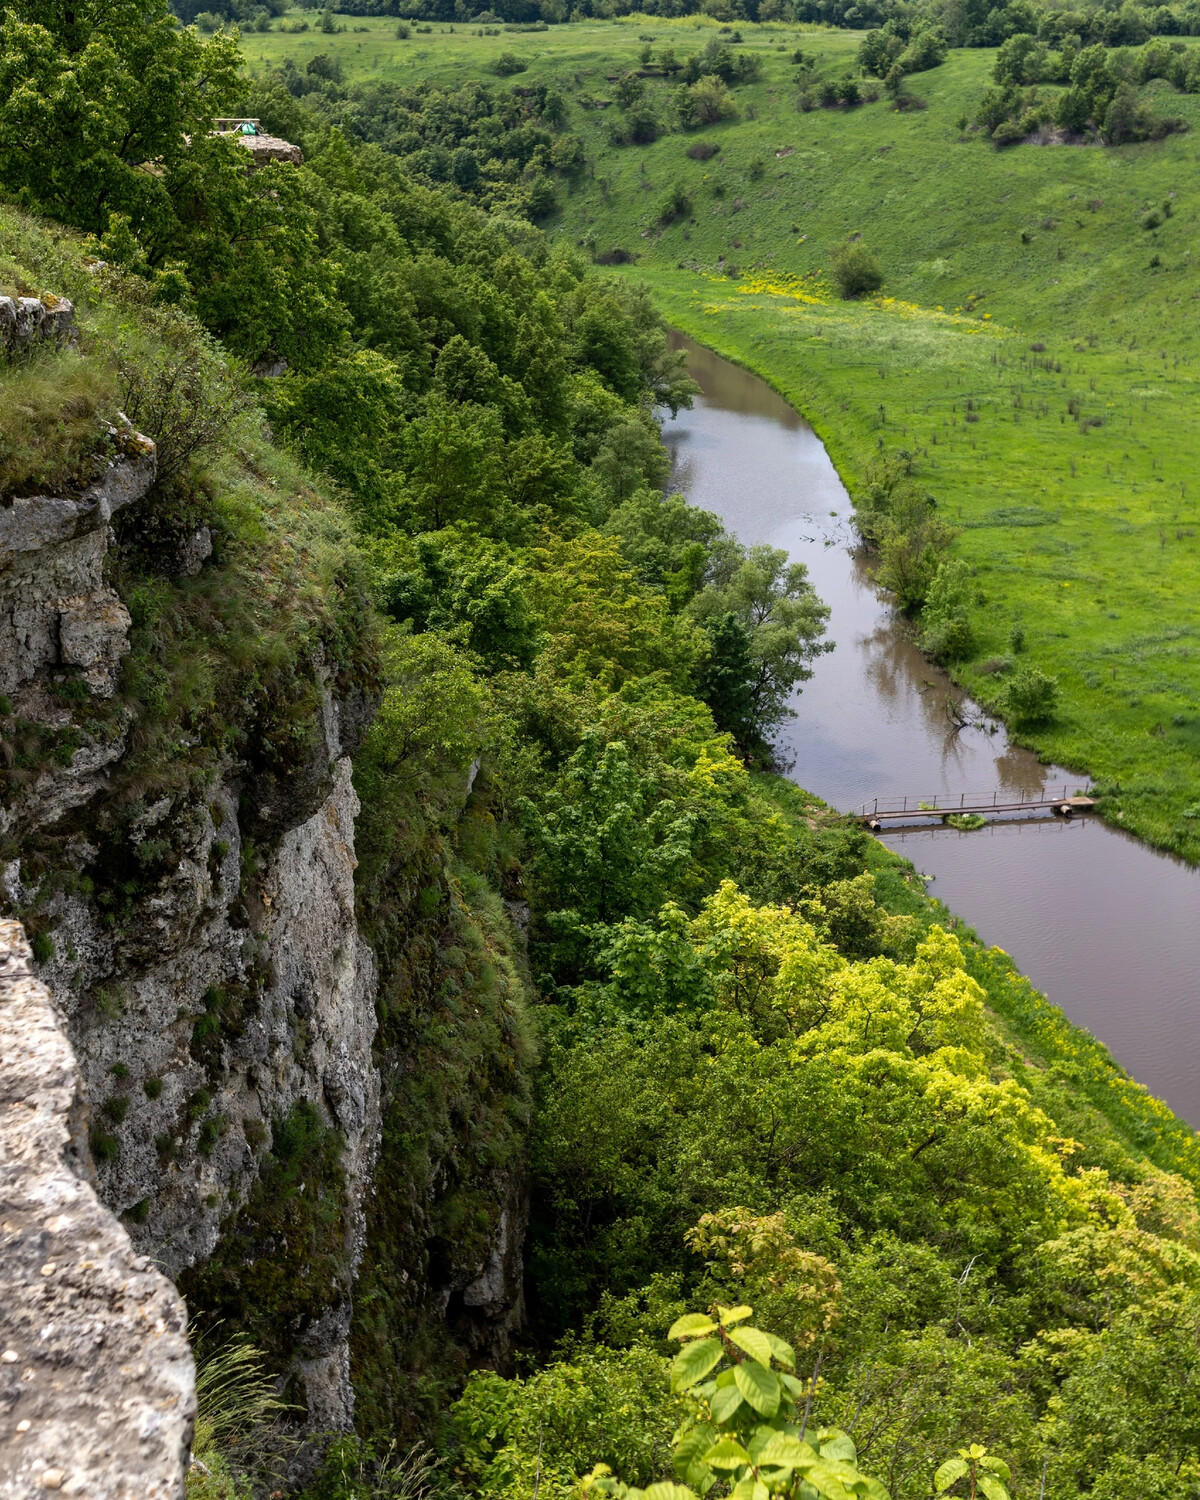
x=97, y=1385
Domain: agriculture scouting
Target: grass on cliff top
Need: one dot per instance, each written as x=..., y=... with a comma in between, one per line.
x=1037, y=347
x=212, y=653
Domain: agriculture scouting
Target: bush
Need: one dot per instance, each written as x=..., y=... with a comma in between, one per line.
x=1031, y=697
x=856, y=271
x=507, y=64
x=676, y=205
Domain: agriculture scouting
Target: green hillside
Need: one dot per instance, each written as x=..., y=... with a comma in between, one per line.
x=1033, y=351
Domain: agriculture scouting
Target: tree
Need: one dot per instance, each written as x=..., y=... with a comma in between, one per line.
x=725, y=678
x=855, y=270
x=783, y=622
x=94, y=92
x=946, y=615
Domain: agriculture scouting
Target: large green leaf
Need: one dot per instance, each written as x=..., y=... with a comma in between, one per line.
x=782, y=1350
x=759, y=1386
x=688, y=1461
x=833, y=1480
x=997, y=1466
x=952, y=1469
x=727, y=1454
x=992, y=1488
x=756, y=1344
x=837, y=1445
x=783, y=1451
x=725, y=1402
x=731, y=1315
x=749, y=1489
x=691, y=1326
x=665, y=1490
x=693, y=1362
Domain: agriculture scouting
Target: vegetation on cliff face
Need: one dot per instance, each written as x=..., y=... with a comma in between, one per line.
x=771, y=1073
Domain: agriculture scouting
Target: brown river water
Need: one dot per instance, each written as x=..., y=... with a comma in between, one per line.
x=1105, y=926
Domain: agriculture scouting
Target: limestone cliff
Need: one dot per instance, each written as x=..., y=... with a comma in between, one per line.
x=182, y=695
x=97, y=1392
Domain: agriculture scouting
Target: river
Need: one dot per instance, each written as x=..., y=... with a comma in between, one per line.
x=1104, y=925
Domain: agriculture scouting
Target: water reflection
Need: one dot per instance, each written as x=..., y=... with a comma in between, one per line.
x=1100, y=922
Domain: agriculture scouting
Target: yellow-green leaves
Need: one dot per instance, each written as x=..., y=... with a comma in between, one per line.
x=692, y=1326
x=952, y=1469
x=780, y=1450
x=755, y=1343
x=731, y=1315
x=694, y=1361
x=759, y=1386
x=727, y=1454
x=985, y=1471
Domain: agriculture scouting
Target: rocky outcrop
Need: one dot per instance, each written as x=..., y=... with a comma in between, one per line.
x=55, y=608
x=97, y=1386
x=235, y=986
x=26, y=321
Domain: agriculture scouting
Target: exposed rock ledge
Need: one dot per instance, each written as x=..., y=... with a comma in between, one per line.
x=97, y=1386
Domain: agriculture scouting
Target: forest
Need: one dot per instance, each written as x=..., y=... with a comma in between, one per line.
x=822, y=1198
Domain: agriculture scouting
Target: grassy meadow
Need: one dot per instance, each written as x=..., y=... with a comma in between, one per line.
x=1035, y=346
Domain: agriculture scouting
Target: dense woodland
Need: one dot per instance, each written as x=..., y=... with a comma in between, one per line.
x=738, y=1057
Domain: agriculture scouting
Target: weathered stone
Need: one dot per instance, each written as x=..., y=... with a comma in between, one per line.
x=28, y=320
x=267, y=148
x=93, y=633
x=55, y=609
x=195, y=552
x=97, y=1386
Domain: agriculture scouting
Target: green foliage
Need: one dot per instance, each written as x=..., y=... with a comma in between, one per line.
x=284, y=1255
x=856, y=271
x=92, y=94
x=1030, y=696
x=946, y=614
x=779, y=624
x=744, y=1426
x=593, y=1405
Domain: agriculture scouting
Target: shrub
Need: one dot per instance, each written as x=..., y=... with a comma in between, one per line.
x=676, y=205
x=507, y=64
x=1031, y=697
x=711, y=101
x=946, y=617
x=856, y=271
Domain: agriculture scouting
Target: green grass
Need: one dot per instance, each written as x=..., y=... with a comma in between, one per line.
x=1089, y=535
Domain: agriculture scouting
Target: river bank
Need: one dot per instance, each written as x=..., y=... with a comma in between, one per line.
x=1098, y=921
x=1091, y=597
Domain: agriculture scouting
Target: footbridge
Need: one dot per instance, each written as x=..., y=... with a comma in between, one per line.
x=1062, y=803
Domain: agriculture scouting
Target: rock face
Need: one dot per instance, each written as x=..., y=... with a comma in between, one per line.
x=97, y=1386
x=241, y=989
x=25, y=321
x=201, y=942
x=55, y=609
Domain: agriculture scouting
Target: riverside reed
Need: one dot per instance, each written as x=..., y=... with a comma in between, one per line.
x=1034, y=347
